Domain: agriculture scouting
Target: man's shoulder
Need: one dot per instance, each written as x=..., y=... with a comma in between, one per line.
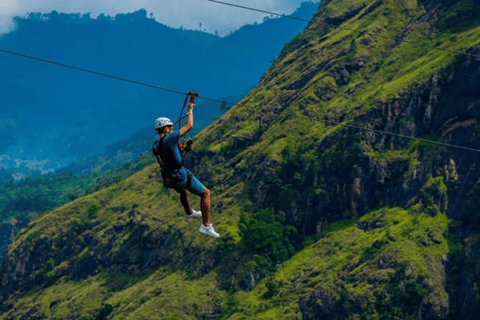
x=175, y=135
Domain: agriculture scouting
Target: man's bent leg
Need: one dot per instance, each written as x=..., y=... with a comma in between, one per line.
x=205, y=203
x=196, y=187
x=184, y=201
x=206, y=227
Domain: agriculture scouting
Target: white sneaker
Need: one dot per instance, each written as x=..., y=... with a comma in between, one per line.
x=195, y=214
x=209, y=231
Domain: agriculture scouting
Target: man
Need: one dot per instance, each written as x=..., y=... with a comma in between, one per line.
x=175, y=175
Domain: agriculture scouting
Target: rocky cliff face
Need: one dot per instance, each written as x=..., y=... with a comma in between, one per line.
x=446, y=109
x=355, y=180
x=352, y=171
x=8, y=231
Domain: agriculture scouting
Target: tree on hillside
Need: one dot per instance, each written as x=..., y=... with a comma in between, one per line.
x=103, y=17
x=34, y=16
x=132, y=17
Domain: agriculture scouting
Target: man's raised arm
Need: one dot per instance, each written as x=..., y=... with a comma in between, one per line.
x=189, y=123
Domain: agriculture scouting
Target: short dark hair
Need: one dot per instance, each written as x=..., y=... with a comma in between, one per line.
x=162, y=130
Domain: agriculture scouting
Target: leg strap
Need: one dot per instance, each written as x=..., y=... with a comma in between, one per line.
x=189, y=182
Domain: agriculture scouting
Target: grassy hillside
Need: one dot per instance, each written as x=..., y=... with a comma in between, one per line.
x=21, y=202
x=318, y=221
x=382, y=252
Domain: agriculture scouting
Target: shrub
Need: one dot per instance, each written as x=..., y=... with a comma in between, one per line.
x=50, y=264
x=353, y=46
x=265, y=236
x=379, y=65
x=72, y=196
x=104, y=311
x=78, y=225
x=414, y=294
x=92, y=211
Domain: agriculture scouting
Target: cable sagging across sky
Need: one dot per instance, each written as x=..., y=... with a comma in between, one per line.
x=349, y=29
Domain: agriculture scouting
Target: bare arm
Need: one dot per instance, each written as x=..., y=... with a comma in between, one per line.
x=189, y=123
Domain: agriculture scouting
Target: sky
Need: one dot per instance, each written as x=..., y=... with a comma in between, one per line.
x=175, y=13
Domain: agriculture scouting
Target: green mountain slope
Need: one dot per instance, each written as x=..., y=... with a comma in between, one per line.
x=318, y=220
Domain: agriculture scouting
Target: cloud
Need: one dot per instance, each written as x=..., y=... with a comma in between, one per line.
x=175, y=13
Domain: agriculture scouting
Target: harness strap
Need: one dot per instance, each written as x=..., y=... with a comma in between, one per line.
x=158, y=154
x=189, y=182
x=159, y=159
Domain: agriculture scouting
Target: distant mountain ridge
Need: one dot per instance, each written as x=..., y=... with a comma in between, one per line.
x=86, y=113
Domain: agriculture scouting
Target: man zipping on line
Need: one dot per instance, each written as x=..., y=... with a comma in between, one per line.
x=169, y=155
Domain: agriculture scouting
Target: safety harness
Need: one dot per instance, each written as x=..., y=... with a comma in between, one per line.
x=159, y=152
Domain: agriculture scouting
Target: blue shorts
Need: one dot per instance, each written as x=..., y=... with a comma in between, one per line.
x=180, y=181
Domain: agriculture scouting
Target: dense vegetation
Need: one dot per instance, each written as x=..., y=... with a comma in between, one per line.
x=318, y=220
x=39, y=194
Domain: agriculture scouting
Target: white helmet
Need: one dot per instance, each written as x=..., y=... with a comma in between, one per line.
x=162, y=122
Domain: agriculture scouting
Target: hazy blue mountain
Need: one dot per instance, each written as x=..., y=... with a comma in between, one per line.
x=49, y=112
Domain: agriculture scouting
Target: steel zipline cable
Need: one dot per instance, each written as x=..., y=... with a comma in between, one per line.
x=383, y=132
x=227, y=102
x=348, y=29
x=106, y=75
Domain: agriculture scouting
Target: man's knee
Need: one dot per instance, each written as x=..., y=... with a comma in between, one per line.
x=206, y=193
